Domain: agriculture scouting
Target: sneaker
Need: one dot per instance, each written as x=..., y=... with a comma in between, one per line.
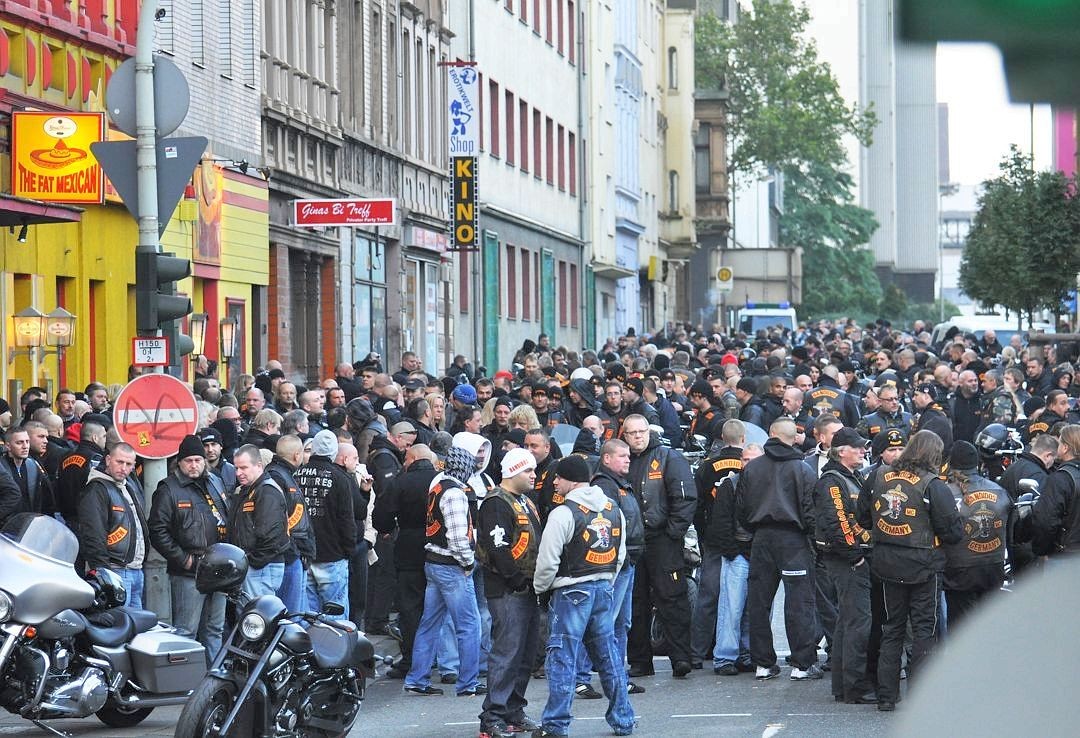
x=697, y=665
x=726, y=670
x=396, y=672
x=632, y=688
x=744, y=667
x=428, y=691
x=538, y=673
x=870, y=698
x=586, y=692
x=524, y=724
x=545, y=733
x=886, y=706
x=448, y=679
x=641, y=671
x=813, y=672
x=495, y=731
x=767, y=672
x=680, y=669
x=479, y=689
x=394, y=632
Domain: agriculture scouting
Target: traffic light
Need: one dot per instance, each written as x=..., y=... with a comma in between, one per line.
x=1038, y=39
x=157, y=306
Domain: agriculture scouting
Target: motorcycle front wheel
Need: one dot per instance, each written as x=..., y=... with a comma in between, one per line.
x=206, y=710
x=117, y=716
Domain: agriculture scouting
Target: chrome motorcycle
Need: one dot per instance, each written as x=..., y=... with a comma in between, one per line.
x=68, y=649
x=279, y=674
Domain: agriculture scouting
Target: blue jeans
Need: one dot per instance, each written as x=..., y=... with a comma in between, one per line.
x=446, y=653
x=450, y=592
x=201, y=615
x=515, y=632
x=623, y=591
x=732, y=625
x=264, y=581
x=581, y=614
x=133, y=584
x=293, y=586
x=328, y=582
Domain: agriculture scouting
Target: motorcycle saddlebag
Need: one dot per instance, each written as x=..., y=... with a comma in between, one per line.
x=167, y=662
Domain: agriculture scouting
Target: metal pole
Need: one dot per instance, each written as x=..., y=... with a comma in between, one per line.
x=156, y=589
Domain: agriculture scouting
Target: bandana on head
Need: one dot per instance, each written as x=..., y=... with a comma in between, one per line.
x=460, y=464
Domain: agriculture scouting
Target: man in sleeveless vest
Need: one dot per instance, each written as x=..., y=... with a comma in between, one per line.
x=257, y=523
x=581, y=552
x=508, y=538
x=909, y=511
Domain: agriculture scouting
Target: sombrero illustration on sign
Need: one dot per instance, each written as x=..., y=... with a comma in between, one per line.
x=60, y=155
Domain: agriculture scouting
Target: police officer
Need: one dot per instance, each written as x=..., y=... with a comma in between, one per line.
x=508, y=539
x=581, y=551
x=845, y=547
x=976, y=564
x=890, y=414
x=908, y=510
x=188, y=514
x=1055, y=518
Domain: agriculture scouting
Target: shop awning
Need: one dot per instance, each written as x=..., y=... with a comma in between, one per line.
x=17, y=211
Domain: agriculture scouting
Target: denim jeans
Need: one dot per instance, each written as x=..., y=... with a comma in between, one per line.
x=623, y=599
x=703, y=621
x=449, y=592
x=133, y=584
x=581, y=614
x=293, y=586
x=446, y=653
x=264, y=581
x=328, y=582
x=515, y=626
x=732, y=624
x=201, y=615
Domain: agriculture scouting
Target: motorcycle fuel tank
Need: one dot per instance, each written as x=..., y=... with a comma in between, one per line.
x=64, y=624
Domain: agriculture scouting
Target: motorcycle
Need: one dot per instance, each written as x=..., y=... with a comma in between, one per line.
x=69, y=649
x=279, y=674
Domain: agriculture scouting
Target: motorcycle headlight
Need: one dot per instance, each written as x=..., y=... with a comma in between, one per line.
x=253, y=626
x=6, y=606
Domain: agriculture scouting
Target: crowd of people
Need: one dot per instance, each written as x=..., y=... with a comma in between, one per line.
x=532, y=524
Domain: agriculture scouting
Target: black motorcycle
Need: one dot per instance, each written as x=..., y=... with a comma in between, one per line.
x=279, y=674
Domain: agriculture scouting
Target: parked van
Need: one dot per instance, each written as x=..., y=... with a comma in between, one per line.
x=978, y=323
x=755, y=317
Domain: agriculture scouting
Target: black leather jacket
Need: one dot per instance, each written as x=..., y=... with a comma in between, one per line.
x=181, y=522
x=665, y=490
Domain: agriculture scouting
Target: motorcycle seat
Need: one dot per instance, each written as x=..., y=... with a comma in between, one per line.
x=144, y=619
x=110, y=629
x=333, y=648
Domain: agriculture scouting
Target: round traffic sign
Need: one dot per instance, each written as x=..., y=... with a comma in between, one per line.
x=172, y=97
x=153, y=413
x=724, y=274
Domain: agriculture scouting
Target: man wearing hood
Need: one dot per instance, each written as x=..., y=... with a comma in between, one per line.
x=581, y=552
x=664, y=487
x=448, y=567
x=364, y=425
x=774, y=502
x=327, y=490
x=668, y=419
x=580, y=402
x=112, y=523
x=508, y=538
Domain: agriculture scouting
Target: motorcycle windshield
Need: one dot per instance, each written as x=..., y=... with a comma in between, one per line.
x=42, y=536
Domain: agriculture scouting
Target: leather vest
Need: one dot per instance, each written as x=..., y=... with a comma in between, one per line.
x=702, y=423
x=594, y=546
x=859, y=536
x=120, y=530
x=984, y=507
x=524, y=538
x=825, y=400
x=901, y=511
x=435, y=525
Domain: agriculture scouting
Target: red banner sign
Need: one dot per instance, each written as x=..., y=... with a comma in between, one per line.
x=345, y=212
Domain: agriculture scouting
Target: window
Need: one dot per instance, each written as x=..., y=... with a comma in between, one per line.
x=702, y=159
x=559, y=27
x=536, y=16
x=407, y=94
x=562, y=293
x=523, y=11
x=248, y=48
x=493, y=106
x=536, y=284
x=573, y=296
x=510, y=127
x=463, y=281
x=571, y=154
x=672, y=68
x=571, y=19
x=509, y=4
x=526, y=287
x=523, y=120
x=549, y=141
x=225, y=39
x=198, y=42
x=562, y=159
x=538, y=170
x=547, y=21
x=673, y=191
x=511, y=283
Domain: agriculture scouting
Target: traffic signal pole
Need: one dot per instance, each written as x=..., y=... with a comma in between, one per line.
x=156, y=593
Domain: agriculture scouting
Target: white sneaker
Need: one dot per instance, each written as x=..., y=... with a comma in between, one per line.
x=814, y=672
x=767, y=672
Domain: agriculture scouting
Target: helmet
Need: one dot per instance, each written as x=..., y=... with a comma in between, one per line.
x=221, y=568
x=991, y=439
x=109, y=590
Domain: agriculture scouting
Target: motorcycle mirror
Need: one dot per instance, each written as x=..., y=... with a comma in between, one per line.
x=1030, y=485
x=333, y=609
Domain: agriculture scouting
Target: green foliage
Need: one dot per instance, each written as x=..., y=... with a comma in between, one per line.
x=785, y=106
x=893, y=302
x=1023, y=250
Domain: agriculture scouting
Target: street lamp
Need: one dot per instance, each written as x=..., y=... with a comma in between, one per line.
x=60, y=329
x=197, y=328
x=228, y=342
x=29, y=325
x=34, y=331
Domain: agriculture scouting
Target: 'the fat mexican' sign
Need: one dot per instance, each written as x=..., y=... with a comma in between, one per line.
x=51, y=159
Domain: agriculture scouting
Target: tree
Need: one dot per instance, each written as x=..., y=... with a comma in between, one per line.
x=785, y=107
x=821, y=216
x=1023, y=249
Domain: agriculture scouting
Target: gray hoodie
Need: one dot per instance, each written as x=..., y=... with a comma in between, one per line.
x=557, y=532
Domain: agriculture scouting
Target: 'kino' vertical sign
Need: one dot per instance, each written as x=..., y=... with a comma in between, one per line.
x=464, y=149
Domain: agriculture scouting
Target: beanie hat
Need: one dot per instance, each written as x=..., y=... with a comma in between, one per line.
x=891, y=438
x=460, y=464
x=747, y=384
x=963, y=456
x=465, y=394
x=516, y=436
x=635, y=385
x=325, y=444
x=729, y=359
x=573, y=469
x=516, y=461
x=703, y=388
x=191, y=446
